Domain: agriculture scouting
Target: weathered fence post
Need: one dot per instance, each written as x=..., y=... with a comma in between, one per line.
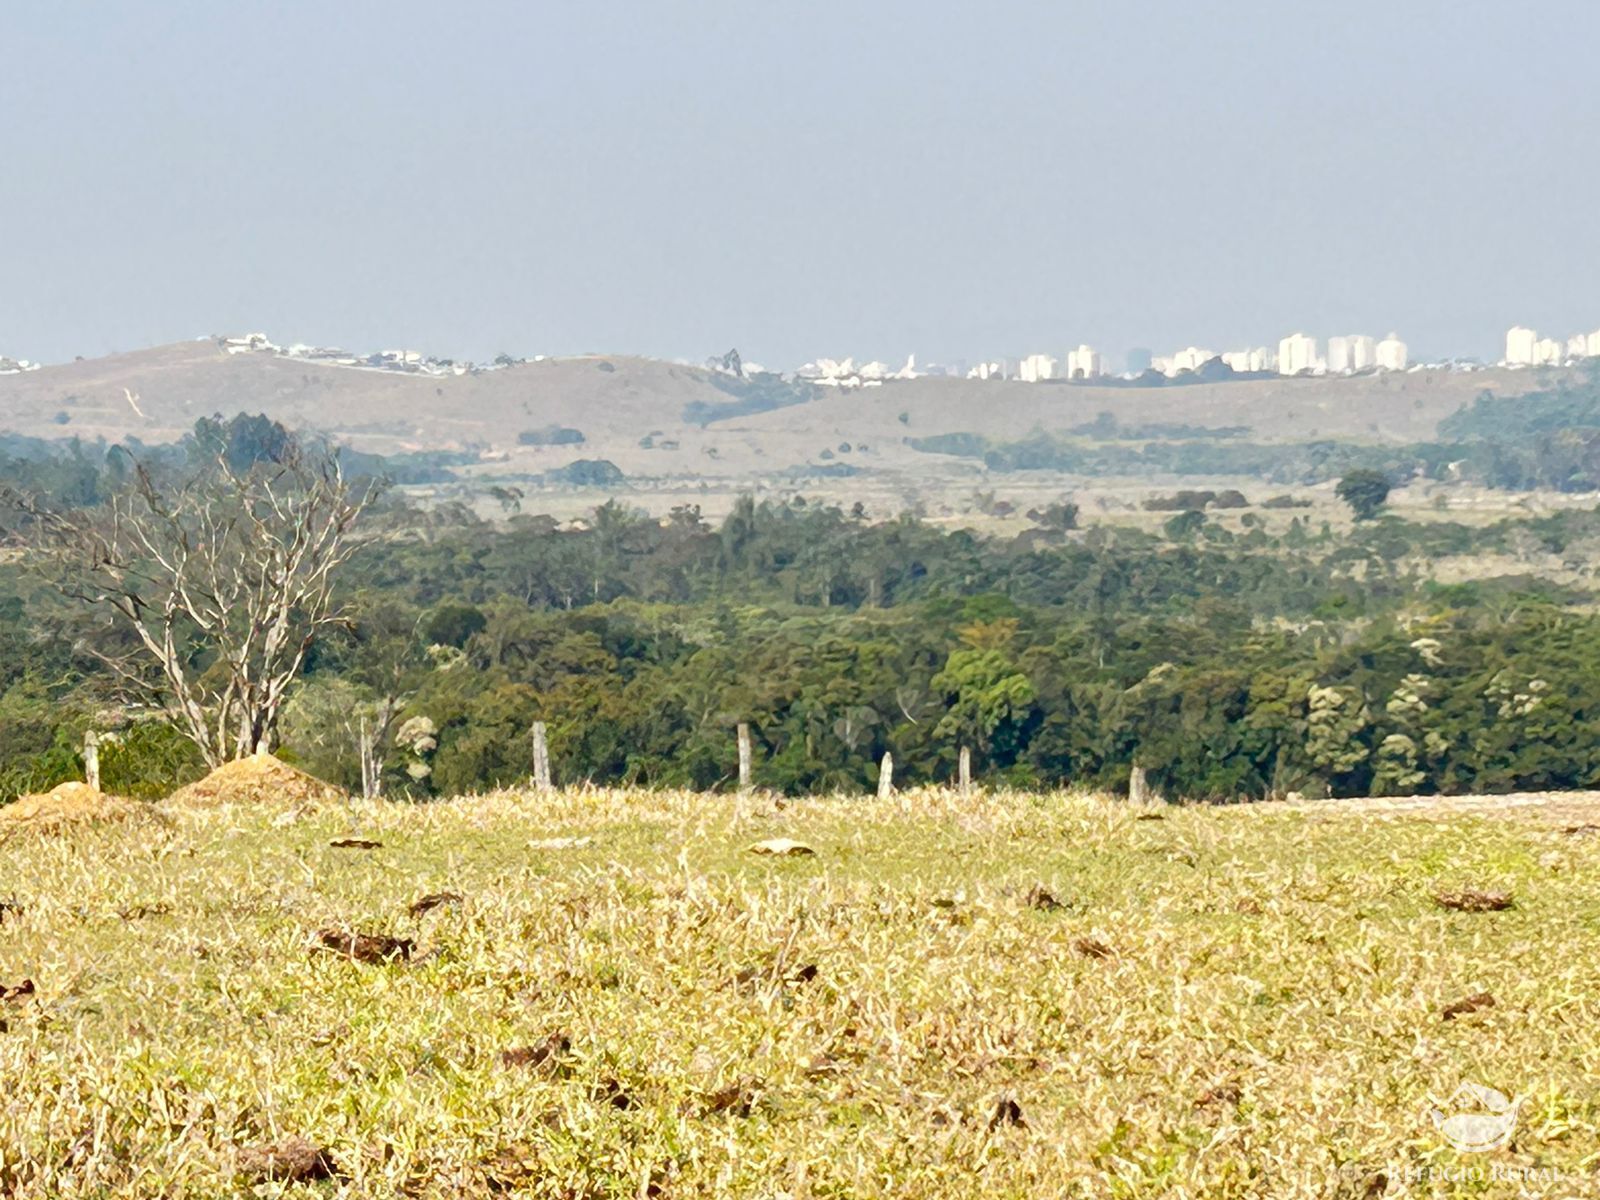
x=886, y=776
x=541, y=758
x=91, y=759
x=1138, y=786
x=964, y=772
x=744, y=757
x=364, y=753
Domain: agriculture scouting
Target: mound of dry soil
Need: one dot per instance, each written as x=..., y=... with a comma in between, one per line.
x=259, y=779
x=71, y=803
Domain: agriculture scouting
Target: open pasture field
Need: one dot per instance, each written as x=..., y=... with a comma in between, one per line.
x=607, y=994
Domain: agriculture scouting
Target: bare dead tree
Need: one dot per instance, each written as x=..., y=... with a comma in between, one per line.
x=221, y=584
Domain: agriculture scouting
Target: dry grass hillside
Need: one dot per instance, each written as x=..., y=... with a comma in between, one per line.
x=639, y=414
x=374, y=410
x=607, y=994
x=617, y=401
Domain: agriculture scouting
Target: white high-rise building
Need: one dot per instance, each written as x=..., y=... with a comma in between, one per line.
x=1297, y=353
x=1036, y=368
x=1254, y=360
x=1547, y=352
x=1390, y=354
x=1339, y=356
x=1191, y=358
x=1353, y=352
x=1083, y=363
x=1520, y=343
x=1584, y=345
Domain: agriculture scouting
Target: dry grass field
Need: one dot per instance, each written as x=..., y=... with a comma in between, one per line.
x=609, y=995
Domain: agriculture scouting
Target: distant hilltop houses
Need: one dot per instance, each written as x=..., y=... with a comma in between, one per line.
x=411, y=362
x=844, y=373
x=16, y=366
x=1525, y=348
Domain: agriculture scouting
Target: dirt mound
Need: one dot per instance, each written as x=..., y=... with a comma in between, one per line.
x=70, y=803
x=259, y=779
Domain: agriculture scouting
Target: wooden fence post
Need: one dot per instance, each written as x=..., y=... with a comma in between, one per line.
x=744, y=757
x=886, y=776
x=1138, y=786
x=964, y=773
x=91, y=759
x=541, y=758
x=364, y=753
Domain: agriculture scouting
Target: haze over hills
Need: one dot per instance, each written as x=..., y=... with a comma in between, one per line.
x=666, y=420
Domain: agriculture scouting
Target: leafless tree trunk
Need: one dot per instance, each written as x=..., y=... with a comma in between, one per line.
x=224, y=583
x=373, y=744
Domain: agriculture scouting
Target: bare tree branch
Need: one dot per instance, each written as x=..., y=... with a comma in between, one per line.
x=224, y=580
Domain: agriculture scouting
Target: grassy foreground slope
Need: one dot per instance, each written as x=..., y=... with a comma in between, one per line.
x=1219, y=1002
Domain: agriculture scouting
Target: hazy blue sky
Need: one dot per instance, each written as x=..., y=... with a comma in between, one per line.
x=678, y=177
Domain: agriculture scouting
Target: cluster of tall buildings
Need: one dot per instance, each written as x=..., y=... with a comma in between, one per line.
x=1346, y=354
x=1082, y=363
x=1525, y=348
x=1296, y=354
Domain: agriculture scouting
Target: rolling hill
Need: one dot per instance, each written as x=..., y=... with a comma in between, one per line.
x=659, y=419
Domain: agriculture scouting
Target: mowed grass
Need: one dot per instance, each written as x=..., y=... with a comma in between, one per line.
x=1225, y=1002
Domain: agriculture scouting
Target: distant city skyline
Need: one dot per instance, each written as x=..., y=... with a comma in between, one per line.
x=675, y=179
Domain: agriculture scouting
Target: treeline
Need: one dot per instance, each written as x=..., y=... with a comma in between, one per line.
x=1231, y=662
x=1214, y=704
x=82, y=473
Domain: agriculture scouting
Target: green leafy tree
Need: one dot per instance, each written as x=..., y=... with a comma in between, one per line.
x=1365, y=491
x=1185, y=525
x=986, y=692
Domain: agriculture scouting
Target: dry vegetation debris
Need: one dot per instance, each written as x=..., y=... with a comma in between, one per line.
x=290, y=1160
x=426, y=904
x=1473, y=900
x=378, y=948
x=1476, y=1002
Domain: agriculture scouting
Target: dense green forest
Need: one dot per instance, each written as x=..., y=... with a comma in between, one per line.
x=1232, y=662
